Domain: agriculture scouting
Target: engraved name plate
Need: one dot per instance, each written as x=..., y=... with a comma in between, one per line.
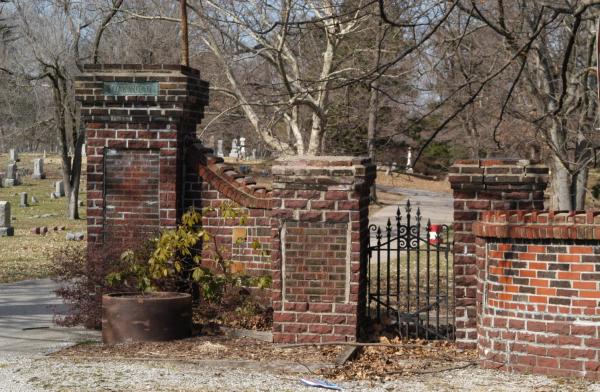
x=130, y=88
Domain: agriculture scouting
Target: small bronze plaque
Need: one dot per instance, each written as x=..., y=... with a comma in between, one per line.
x=130, y=88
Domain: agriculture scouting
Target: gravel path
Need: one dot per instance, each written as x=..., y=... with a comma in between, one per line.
x=53, y=374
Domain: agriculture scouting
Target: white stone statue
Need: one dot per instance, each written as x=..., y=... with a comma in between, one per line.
x=234, y=149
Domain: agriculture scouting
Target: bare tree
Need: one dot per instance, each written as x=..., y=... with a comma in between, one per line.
x=50, y=38
x=550, y=86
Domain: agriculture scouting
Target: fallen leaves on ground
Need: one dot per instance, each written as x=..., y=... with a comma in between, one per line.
x=407, y=358
x=206, y=347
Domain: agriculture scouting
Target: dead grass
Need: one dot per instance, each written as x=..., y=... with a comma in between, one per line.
x=407, y=181
x=26, y=255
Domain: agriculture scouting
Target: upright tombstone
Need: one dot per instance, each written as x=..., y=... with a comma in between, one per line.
x=242, y=152
x=409, y=168
x=5, y=228
x=220, y=152
x=234, y=153
x=254, y=154
x=38, y=169
x=59, y=189
x=13, y=155
x=136, y=147
x=12, y=178
x=212, y=143
x=23, y=202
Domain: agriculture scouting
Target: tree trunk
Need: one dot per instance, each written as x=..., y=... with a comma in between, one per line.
x=561, y=186
x=372, y=129
x=75, y=177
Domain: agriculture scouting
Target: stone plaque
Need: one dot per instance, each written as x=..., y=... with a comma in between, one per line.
x=130, y=88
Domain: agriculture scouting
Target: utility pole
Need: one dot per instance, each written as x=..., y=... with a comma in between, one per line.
x=185, y=46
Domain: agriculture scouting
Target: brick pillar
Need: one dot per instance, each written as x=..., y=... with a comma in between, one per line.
x=320, y=230
x=478, y=186
x=139, y=119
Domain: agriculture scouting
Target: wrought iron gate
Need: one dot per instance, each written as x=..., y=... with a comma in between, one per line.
x=410, y=277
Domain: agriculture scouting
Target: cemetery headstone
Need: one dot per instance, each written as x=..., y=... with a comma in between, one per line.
x=212, y=144
x=38, y=169
x=23, y=202
x=5, y=228
x=234, y=153
x=34, y=200
x=220, y=153
x=409, y=168
x=11, y=175
x=59, y=189
x=53, y=196
x=242, y=151
x=254, y=154
x=13, y=155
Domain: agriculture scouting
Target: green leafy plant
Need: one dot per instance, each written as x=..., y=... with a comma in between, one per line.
x=175, y=258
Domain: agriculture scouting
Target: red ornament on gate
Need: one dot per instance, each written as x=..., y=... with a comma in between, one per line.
x=435, y=235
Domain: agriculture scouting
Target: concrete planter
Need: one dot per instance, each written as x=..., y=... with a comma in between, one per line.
x=134, y=317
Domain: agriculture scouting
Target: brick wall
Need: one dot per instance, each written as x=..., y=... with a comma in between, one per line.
x=539, y=292
x=145, y=166
x=131, y=194
x=320, y=233
x=209, y=184
x=479, y=186
x=120, y=129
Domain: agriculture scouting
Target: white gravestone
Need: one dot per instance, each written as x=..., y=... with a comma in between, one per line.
x=59, y=189
x=234, y=149
x=242, y=153
x=409, y=168
x=254, y=154
x=38, y=169
x=5, y=228
x=11, y=175
x=220, y=153
x=13, y=155
x=23, y=202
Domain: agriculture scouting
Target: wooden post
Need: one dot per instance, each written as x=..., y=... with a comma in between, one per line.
x=185, y=48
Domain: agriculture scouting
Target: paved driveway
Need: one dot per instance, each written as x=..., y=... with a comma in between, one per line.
x=436, y=206
x=26, y=311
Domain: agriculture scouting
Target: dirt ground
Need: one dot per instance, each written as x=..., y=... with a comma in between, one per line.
x=400, y=180
x=392, y=366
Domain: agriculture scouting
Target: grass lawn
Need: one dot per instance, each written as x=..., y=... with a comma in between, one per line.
x=26, y=255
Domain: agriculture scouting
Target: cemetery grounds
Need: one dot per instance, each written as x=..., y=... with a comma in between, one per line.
x=27, y=255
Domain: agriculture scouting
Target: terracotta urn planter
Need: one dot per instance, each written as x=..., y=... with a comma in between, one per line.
x=135, y=317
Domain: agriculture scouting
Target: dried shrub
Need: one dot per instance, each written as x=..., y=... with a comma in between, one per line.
x=79, y=282
x=83, y=283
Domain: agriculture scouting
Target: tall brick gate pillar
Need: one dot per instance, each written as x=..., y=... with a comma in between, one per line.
x=139, y=120
x=479, y=186
x=320, y=230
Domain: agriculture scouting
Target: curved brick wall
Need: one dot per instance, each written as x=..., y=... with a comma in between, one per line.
x=538, y=292
x=480, y=186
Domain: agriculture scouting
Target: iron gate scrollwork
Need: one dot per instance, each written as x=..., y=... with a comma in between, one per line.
x=410, y=280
